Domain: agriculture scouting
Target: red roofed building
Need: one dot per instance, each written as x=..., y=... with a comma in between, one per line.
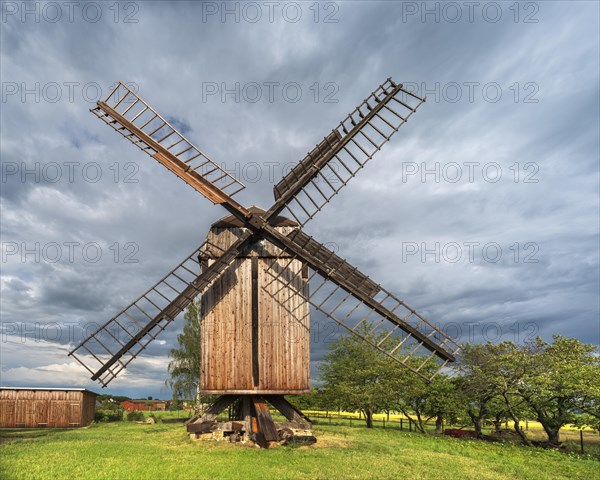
x=144, y=405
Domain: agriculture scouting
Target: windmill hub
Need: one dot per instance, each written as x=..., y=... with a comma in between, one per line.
x=253, y=274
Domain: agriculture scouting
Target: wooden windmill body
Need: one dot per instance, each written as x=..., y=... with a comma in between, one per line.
x=254, y=271
x=254, y=327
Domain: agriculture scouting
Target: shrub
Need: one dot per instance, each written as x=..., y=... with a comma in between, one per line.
x=135, y=416
x=156, y=418
x=108, y=415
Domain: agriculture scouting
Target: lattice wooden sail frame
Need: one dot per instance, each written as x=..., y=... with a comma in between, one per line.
x=317, y=178
x=110, y=348
x=355, y=302
x=138, y=122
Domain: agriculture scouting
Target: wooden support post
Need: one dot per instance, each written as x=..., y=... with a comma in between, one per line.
x=291, y=413
x=266, y=426
x=247, y=412
x=213, y=410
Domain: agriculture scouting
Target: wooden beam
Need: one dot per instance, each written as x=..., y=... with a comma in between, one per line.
x=255, y=343
x=265, y=421
x=175, y=165
x=302, y=254
x=182, y=300
x=204, y=427
x=290, y=412
x=213, y=410
x=332, y=146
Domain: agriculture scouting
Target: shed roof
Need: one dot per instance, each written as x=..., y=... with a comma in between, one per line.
x=55, y=389
x=231, y=222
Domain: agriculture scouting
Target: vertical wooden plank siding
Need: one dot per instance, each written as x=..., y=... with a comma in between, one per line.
x=279, y=356
x=46, y=408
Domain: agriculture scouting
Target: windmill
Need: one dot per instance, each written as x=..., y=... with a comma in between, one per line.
x=254, y=270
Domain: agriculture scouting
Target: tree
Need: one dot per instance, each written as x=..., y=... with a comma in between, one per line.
x=442, y=401
x=476, y=383
x=356, y=376
x=553, y=382
x=411, y=395
x=557, y=380
x=184, y=367
x=426, y=400
x=175, y=404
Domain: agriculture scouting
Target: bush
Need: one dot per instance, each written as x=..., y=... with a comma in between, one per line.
x=156, y=418
x=108, y=415
x=135, y=416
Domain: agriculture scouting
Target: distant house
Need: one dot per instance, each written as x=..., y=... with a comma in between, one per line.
x=144, y=405
x=34, y=407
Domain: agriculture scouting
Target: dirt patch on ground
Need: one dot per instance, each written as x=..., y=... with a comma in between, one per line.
x=328, y=440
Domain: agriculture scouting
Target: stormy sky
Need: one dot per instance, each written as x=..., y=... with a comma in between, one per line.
x=482, y=212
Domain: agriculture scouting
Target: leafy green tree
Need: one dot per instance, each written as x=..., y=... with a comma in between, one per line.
x=443, y=401
x=508, y=365
x=476, y=383
x=184, y=367
x=411, y=394
x=175, y=403
x=553, y=382
x=426, y=400
x=557, y=380
x=356, y=376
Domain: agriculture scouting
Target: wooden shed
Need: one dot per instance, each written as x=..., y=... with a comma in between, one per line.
x=31, y=407
x=255, y=324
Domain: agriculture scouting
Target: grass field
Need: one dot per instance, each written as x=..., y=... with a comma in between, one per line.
x=125, y=450
x=569, y=434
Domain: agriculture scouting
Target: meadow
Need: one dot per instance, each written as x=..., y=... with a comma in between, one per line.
x=126, y=450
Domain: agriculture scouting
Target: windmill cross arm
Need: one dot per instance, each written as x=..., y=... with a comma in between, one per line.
x=157, y=322
x=175, y=165
x=326, y=169
x=355, y=283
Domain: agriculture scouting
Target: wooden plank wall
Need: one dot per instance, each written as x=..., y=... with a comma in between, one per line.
x=88, y=408
x=46, y=408
x=283, y=324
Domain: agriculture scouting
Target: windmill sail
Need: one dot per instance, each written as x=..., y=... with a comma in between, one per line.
x=357, y=303
x=329, y=167
x=133, y=118
x=109, y=349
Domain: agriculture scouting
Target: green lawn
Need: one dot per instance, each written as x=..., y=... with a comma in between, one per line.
x=127, y=450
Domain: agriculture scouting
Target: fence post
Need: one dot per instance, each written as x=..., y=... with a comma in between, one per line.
x=350, y=421
x=581, y=440
x=401, y=426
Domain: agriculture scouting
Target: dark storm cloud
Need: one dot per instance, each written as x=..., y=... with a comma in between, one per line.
x=70, y=180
